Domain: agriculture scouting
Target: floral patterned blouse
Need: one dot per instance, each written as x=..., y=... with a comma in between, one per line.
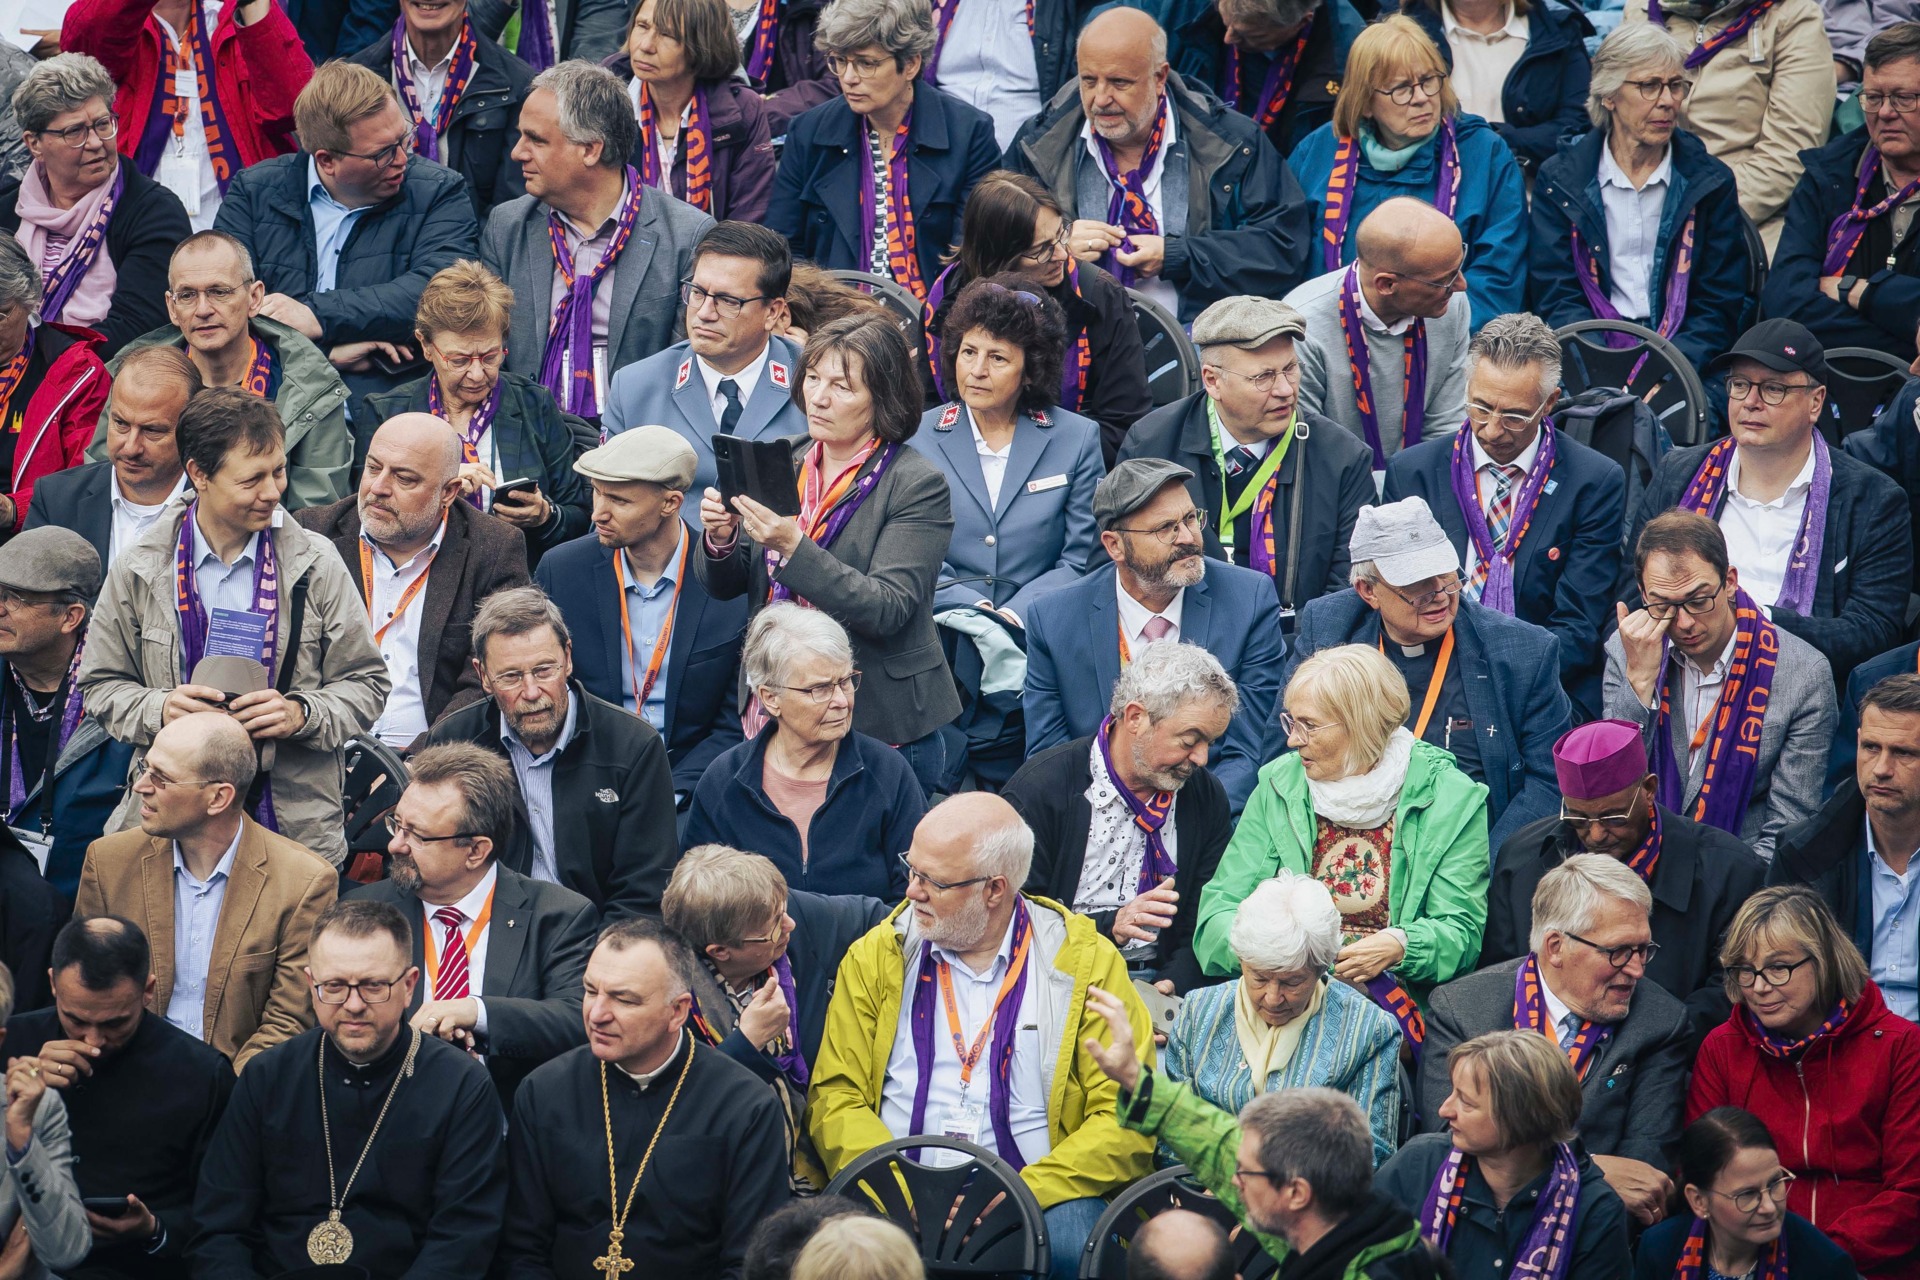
x=1356, y=866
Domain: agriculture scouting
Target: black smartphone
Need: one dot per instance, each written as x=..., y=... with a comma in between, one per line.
x=396, y=368
x=759, y=469
x=107, y=1206
x=524, y=484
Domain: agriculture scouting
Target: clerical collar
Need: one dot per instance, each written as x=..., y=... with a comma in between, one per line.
x=646, y=1080
x=362, y=1075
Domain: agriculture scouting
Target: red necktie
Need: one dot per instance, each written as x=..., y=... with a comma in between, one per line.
x=451, y=982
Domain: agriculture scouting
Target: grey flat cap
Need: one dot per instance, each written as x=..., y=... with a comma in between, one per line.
x=1404, y=541
x=50, y=559
x=658, y=455
x=1131, y=486
x=1247, y=322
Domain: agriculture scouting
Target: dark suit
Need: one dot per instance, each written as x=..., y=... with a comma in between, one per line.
x=1569, y=560
x=81, y=499
x=538, y=941
x=1636, y=1082
x=1828, y=854
x=703, y=654
x=666, y=388
x=31, y=912
x=478, y=556
x=1904, y=661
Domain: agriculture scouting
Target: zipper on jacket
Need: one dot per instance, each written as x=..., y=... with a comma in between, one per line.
x=1806, y=1132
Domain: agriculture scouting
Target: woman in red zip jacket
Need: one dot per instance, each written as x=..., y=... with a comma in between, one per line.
x=1812, y=1050
x=52, y=386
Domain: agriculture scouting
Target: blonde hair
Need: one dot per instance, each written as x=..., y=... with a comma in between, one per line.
x=1530, y=1086
x=1394, y=48
x=857, y=1247
x=340, y=95
x=718, y=895
x=464, y=298
x=1360, y=690
x=1795, y=913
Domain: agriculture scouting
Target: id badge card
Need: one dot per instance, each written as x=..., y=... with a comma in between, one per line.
x=964, y=1121
x=600, y=377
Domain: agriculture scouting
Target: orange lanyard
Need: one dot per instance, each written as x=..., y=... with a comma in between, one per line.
x=1434, y=685
x=640, y=690
x=466, y=944
x=414, y=588
x=970, y=1056
x=1126, y=653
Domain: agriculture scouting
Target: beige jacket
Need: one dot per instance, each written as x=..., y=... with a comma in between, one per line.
x=133, y=659
x=1762, y=100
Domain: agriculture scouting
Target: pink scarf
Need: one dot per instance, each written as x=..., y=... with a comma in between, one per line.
x=40, y=218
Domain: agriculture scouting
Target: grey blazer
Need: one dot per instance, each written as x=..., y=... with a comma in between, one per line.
x=1636, y=1083
x=1795, y=736
x=646, y=278
x=666, y=389
x=877, y=582
x=41, y=1190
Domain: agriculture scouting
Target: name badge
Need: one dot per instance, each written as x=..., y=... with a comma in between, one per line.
x=236, y=633
x=1050, y=482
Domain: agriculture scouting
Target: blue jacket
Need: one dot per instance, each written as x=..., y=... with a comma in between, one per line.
x=1564, y=576
x=1513, y=695
x=1197, y=42
x=1809, y=1251
x=1491, y=211
x=666, y=389
x=703, y=654
x=1567, y=197
x=816, y=194
x=1904, y=661
x=89, y=779
x=1039, y=537
x=857, y=835
x=1545, y=96
x=1073, y=658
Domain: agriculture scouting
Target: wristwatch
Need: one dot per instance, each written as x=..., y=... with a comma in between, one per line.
x=1846, y=286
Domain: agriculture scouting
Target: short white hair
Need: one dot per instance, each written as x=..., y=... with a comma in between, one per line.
x=783, y=634
x=1166, y=675
x=1286, y=923
x=1572, y=894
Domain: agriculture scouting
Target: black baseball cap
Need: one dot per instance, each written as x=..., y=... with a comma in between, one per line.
x=1785, y=346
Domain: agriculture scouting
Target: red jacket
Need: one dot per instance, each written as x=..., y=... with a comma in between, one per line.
x=1847, y=1120
x=63, y=408
x=258, y=70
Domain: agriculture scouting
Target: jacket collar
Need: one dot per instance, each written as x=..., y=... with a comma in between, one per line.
x=929, y=130
x=847, y=764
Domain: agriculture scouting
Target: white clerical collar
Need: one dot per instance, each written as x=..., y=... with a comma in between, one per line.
x=1794, y=492
x=1482, y=460
x=1134, y=616
x=745, y=380
x=1371, y=318
x=645, y=1080
x=1612, y=175
x=475, y=902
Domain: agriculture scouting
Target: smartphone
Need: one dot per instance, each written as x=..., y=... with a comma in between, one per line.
x=758, y=469
x=394, y=368
x=1162, y=1009
x=107, y=1206
x=525, y=484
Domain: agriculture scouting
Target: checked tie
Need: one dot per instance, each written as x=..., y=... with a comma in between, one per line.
x=451, y=982
x=1499, y=518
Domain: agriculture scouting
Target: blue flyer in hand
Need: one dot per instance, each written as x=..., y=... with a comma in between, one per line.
x=236, y=633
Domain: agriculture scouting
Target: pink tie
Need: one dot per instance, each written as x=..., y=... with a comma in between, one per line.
x=1156, y=629
x=451, y=982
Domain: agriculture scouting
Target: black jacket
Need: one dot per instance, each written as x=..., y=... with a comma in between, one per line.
x=1545, y=95
x=486, y=122
x=146, y=225
x=1377, y=1222
x=1891, y=446
x=1828, y=854
x=1050, y=791
x=613, y=825
x=31, y=912
x=81, y=499
x=1701, y=880
x=1329, y=471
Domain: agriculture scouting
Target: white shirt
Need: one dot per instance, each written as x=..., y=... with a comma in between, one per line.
x=1558, y=1013
x=429, y=82
x=993, y=462
x=1116, y=848
x=1156, y=287
x=1487, y=472
x=405, y=717
x=973, y=995
x=1223, y=441
x=1700, y=693
x=131, y=519
x=185, y=167
x=747, y=380
x=987, y=62
x=1370, y=319
x=1134, y=616
x=1481, y=63
x=1633, y=232
x=1760, y=535
x=469, y=908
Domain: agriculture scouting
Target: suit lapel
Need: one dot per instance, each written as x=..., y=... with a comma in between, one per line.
x=1196, y=613
x=1029, y=442
x=628, y=272
x=956, y=442
x=1103, y=625
x=444, y=575
x=156, y=886
x=506, y=933
x=96, y=513
x=246, y=882
x=690, y=398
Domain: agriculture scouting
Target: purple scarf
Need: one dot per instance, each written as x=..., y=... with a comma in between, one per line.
x=69, y=720
x=477, y=424
x=1843, y=236
x=1586, y=266
x=1127, y=206
x=222, y=152
x=1708, y=490
x=843, y=511
x=67, y=274
x=1345, y=178
x=1734, y=726
x=1547, y=1251
x=570, y=338
x=1414, y=385
x=429, y=134
x=1702, y=53
x=1497, y=594
x=1149, y=817
x=539, y=43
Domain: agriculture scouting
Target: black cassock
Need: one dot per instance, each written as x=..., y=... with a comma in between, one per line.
x=719, y=1168
x=428, y=1201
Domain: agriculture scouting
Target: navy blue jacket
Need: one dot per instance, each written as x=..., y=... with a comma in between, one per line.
x=1198, y=51
x=1891, y=446
x=1545, y=96
x=1563, y=578
x=1866, y=559
x=816, y=193
x=703, y=655
x=89, y=779
x=1904, y=661
x=1891, y=308
x=1513, y=696
x=857, y=835
x=1567, y=198
x=1809, y=1252
x=329, y=28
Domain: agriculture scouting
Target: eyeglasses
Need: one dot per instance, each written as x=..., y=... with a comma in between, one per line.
x=725, y=303
x=1292, y=724
x=1621, y=957
x=942, y=885
x=11, y=600
x=1446, y=282
x=467, y=359
x=862, y=68
x=1401, y=94
x=1427, y=599
x=1241, y=1175
x=1611, y=821
x=545, y=673
x=219, y=295
x=822, y=693
x=1510, y=420
x=1194, y=521
x=1650, y=90
x=407, y=833
x=371, y=991
x=1264, y=380
x=386, y=155
x=1871, y=100
x=1696, y=606
x=1040, y=255
x=1770, y=392
x=1748, y=1200
x=76, y=135
x=141, y=769
x=1777, y=975
x=779, y=927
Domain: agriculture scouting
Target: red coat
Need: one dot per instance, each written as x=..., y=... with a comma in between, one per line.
x=62, y=410
x=1847, y=1121
x=258, y=70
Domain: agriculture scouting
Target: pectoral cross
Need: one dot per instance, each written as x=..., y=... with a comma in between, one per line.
x=612, y=1265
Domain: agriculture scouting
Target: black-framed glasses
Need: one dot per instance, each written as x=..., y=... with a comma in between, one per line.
x=1872, y=100
x=1777, y=975
x=1771, y=393
x=386, y=155
x=1401, y=94
x=1427, y=599
x=1650, y=90
x=1696, y=606
x=141, y=769
x=1041, y=254
x=396, y=827
x=1747, y=1200
x=822, y=693
x=1275, y=1179
x=371, y=990
x=943, y=886
x=1195, y=520
x=692, y=295
x=1620, y=957
x=76, y=135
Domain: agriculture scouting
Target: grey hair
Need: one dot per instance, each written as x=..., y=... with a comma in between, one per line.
x=904, y=28
x=1278, y=13
x=1569, y=896
x=1319, y=1136
x=515, y=612
x=1005, y=851
x=19, y=279
x=60, y=84
x=1516, y=340
x=781, y=634
x=1166, y=675
x=1363, y=571
x=1631, y=47
x=1288, y=922
x=593, y=107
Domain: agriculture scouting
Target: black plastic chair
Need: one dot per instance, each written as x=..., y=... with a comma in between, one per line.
x=1756, y=250
x=1173, y=363
x=375, y=777
x=1009, y=1238
x=1105, y=1257
x=1861, y=383
x=899, y=300
x=1651, y=369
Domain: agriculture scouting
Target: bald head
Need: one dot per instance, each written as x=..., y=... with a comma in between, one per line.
x=1180, y=1245
x=198, y=771
x=1123, y=74
x=1121, y=32
x=982, y=828
x=411, y=478
x=1411, y=259
x=979, y=847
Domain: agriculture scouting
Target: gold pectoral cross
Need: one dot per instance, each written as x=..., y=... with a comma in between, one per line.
x=612, y=1265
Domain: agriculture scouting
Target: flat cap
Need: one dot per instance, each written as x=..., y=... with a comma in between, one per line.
x=1247, y=321
x=1131, y=486
x=50, y=559
x=1404, y=542
x=659, y=455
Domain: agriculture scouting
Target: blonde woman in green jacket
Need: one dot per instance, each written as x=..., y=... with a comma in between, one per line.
x=1388, y=823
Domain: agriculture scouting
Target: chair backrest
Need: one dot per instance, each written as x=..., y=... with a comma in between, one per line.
x=1645, y=366
x=1861, y=383
x=900, y=302
x=1105, y=1257
x=950, y=1211
x=375, y=777
x=1173, y=364
x=1756, y=250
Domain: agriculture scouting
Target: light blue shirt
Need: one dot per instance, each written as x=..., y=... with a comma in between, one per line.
x=223, y=586
x=648, y=609
x=1895, y=962
x=196, y=916
x=536, y=787
x=332, y=224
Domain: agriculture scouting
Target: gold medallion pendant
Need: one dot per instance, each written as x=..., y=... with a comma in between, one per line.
x=330, y=1243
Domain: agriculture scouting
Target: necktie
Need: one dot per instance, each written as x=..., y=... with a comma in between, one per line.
x=451, y=982
x=1499, y=517
x=1156, y=629
x=730, y=417
x=1241, y=464
x=1569, y=1028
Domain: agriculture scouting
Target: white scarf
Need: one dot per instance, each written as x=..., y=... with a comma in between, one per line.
x=1368, y=800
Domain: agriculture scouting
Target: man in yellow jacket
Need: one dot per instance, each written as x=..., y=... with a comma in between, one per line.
x=985, y=1042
